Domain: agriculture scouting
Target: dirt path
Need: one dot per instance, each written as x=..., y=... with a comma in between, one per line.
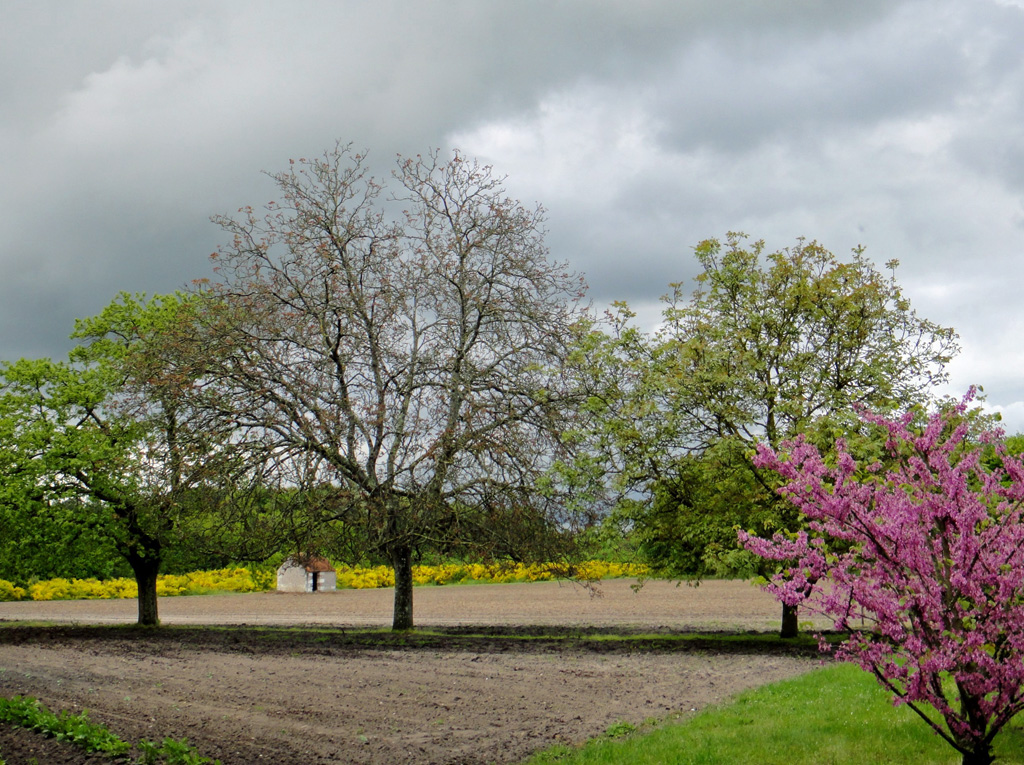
x=713, y=605
x=248, y=696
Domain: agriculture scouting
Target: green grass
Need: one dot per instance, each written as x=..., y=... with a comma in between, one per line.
x=832, y=716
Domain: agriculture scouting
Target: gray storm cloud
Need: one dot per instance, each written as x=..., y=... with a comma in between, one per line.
x=642, y=127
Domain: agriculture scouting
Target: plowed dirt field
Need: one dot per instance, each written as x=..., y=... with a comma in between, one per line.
x=298, y=679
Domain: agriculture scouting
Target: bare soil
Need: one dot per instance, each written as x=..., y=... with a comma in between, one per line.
x=292, y=679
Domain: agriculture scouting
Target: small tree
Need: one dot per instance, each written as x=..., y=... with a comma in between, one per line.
x=921, y=556
x=97, y=444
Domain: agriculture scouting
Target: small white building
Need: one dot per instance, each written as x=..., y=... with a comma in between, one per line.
x=313, y=574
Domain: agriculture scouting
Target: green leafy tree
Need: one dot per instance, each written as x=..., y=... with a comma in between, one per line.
x=30, y=532
x=401, y=350
x=102, y=444
x=687, y=528
x=768, y=345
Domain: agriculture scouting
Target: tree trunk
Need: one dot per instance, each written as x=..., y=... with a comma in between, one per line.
x=146, y=569
x=982, y=755
x=790, y=625
x=401, y=562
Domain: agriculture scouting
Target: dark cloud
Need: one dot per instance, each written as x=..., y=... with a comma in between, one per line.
x=644, y=127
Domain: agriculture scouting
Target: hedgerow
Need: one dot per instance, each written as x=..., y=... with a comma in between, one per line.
x=358, y=577
x=349, y=577
x=168, y=585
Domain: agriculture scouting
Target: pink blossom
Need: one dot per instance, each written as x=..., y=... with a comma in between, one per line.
x=927, y=548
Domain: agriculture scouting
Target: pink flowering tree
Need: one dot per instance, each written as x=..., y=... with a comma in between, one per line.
x=921, y=558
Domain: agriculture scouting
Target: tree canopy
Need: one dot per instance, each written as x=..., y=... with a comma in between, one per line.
x=767, y=345
x=93, y=443
x=398, y=345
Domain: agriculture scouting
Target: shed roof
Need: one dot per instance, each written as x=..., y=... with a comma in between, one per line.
x=311, y=564
x=318, y=565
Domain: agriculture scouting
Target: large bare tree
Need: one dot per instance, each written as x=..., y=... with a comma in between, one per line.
x=402, y=342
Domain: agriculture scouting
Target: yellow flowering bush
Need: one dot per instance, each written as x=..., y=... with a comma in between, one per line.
x=264, y=579
x=82, y=589
x=220, y=580
x=356, y=577
x=349, y=577
x=167, y=585
x=365, y=578
x=9, y=591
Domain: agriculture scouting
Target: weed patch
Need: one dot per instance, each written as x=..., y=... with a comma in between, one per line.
x=80, y=731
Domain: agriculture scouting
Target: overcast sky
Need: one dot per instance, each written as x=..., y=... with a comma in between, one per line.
x=642, y=126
